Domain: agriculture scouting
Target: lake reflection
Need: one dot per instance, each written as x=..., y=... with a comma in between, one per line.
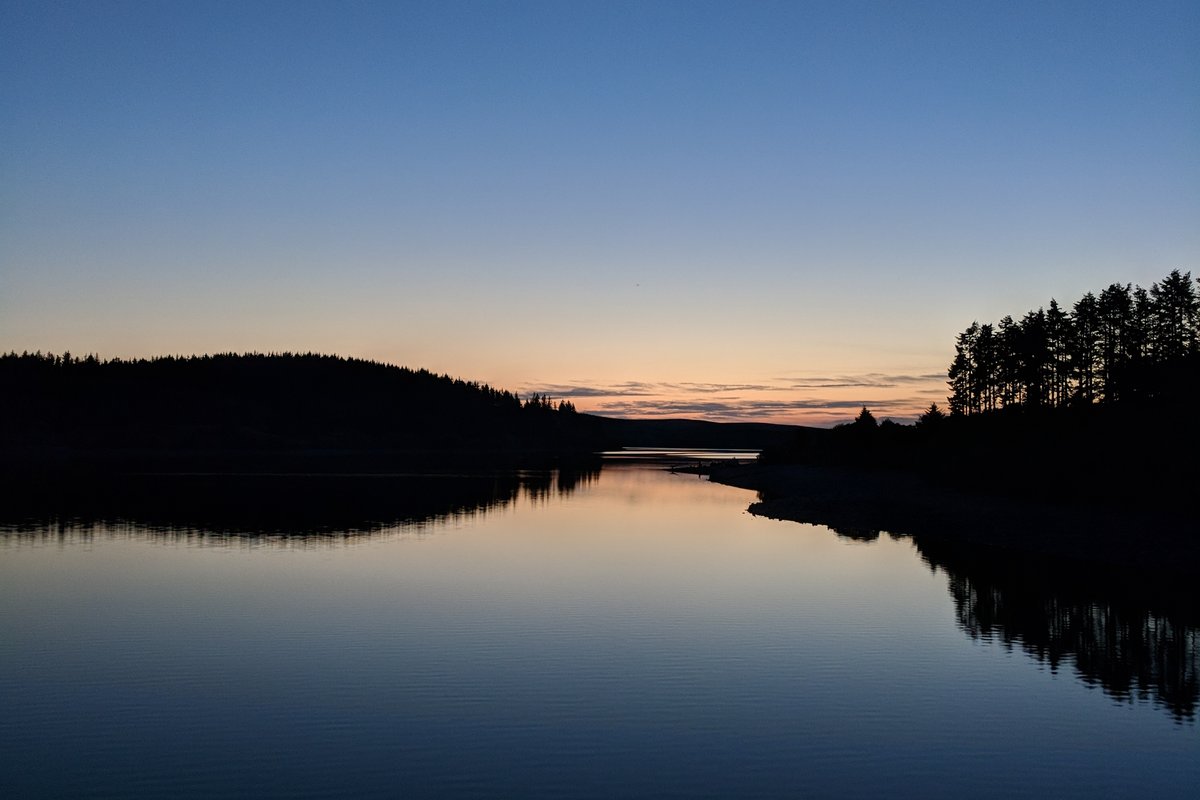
x=1135, y=645
x=626, y=633
x=271, y=506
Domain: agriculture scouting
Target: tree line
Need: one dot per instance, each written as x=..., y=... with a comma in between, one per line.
x=33, y=370
x=275, y=402
x=1125, y=344
x=1091, y=403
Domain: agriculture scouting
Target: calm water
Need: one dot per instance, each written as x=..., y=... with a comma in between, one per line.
x=627, y=633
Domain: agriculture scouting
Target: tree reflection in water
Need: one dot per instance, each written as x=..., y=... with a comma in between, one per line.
x=1137, y=637
x=1135, y=640
x=262, y=508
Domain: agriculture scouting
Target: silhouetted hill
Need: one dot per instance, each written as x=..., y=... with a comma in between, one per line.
x=209, y=407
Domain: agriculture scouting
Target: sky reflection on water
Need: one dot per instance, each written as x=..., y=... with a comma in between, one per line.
x=637, y=635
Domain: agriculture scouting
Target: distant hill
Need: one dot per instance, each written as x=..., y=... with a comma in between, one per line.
x=701, y=433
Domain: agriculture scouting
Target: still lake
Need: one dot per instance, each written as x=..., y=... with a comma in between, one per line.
x=623, y=632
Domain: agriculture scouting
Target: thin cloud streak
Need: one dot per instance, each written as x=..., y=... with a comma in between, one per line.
x=746, y=410
x=746, y=402
x=870, y=380
x=635, y=388
x=716, y=388
x=627, y=389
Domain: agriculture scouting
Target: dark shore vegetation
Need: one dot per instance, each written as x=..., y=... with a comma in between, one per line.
x=303, y=413
x=1094, y=405
x=1073, y=434
x=233, y=410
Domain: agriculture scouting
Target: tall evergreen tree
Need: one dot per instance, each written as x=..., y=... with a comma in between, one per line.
x=1085, y=346
x=1034, y=370
x=963, y=397
x=1174, y=316
x=1114, y=314
x=986, y=371
x=1008, y=362
x=1058, y=352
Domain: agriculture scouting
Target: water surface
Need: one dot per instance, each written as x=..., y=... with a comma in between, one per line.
x=629, y=632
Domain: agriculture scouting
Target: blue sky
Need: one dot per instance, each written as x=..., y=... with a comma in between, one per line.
x=775, y=210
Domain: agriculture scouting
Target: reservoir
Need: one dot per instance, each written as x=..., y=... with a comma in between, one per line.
x=613, y=632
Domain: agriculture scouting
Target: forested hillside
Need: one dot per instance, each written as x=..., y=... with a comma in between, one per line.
x=272, y=403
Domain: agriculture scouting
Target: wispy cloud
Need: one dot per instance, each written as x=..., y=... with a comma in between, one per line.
x=813, y=399
x=645, y=388
x=721, y=388
x=565, y=390
x=870, y=380
x=750, y=409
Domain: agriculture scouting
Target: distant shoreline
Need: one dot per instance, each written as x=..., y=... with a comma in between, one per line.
x=900, y=502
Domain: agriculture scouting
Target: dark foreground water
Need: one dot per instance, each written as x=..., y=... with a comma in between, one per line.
x=627, y=633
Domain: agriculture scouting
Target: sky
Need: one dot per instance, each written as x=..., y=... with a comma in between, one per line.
x=728, y=211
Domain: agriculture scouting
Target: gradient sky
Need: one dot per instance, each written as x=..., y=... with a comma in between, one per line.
x=722, y=210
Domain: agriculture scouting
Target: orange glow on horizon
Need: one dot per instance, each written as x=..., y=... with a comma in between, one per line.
x=901, y=400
